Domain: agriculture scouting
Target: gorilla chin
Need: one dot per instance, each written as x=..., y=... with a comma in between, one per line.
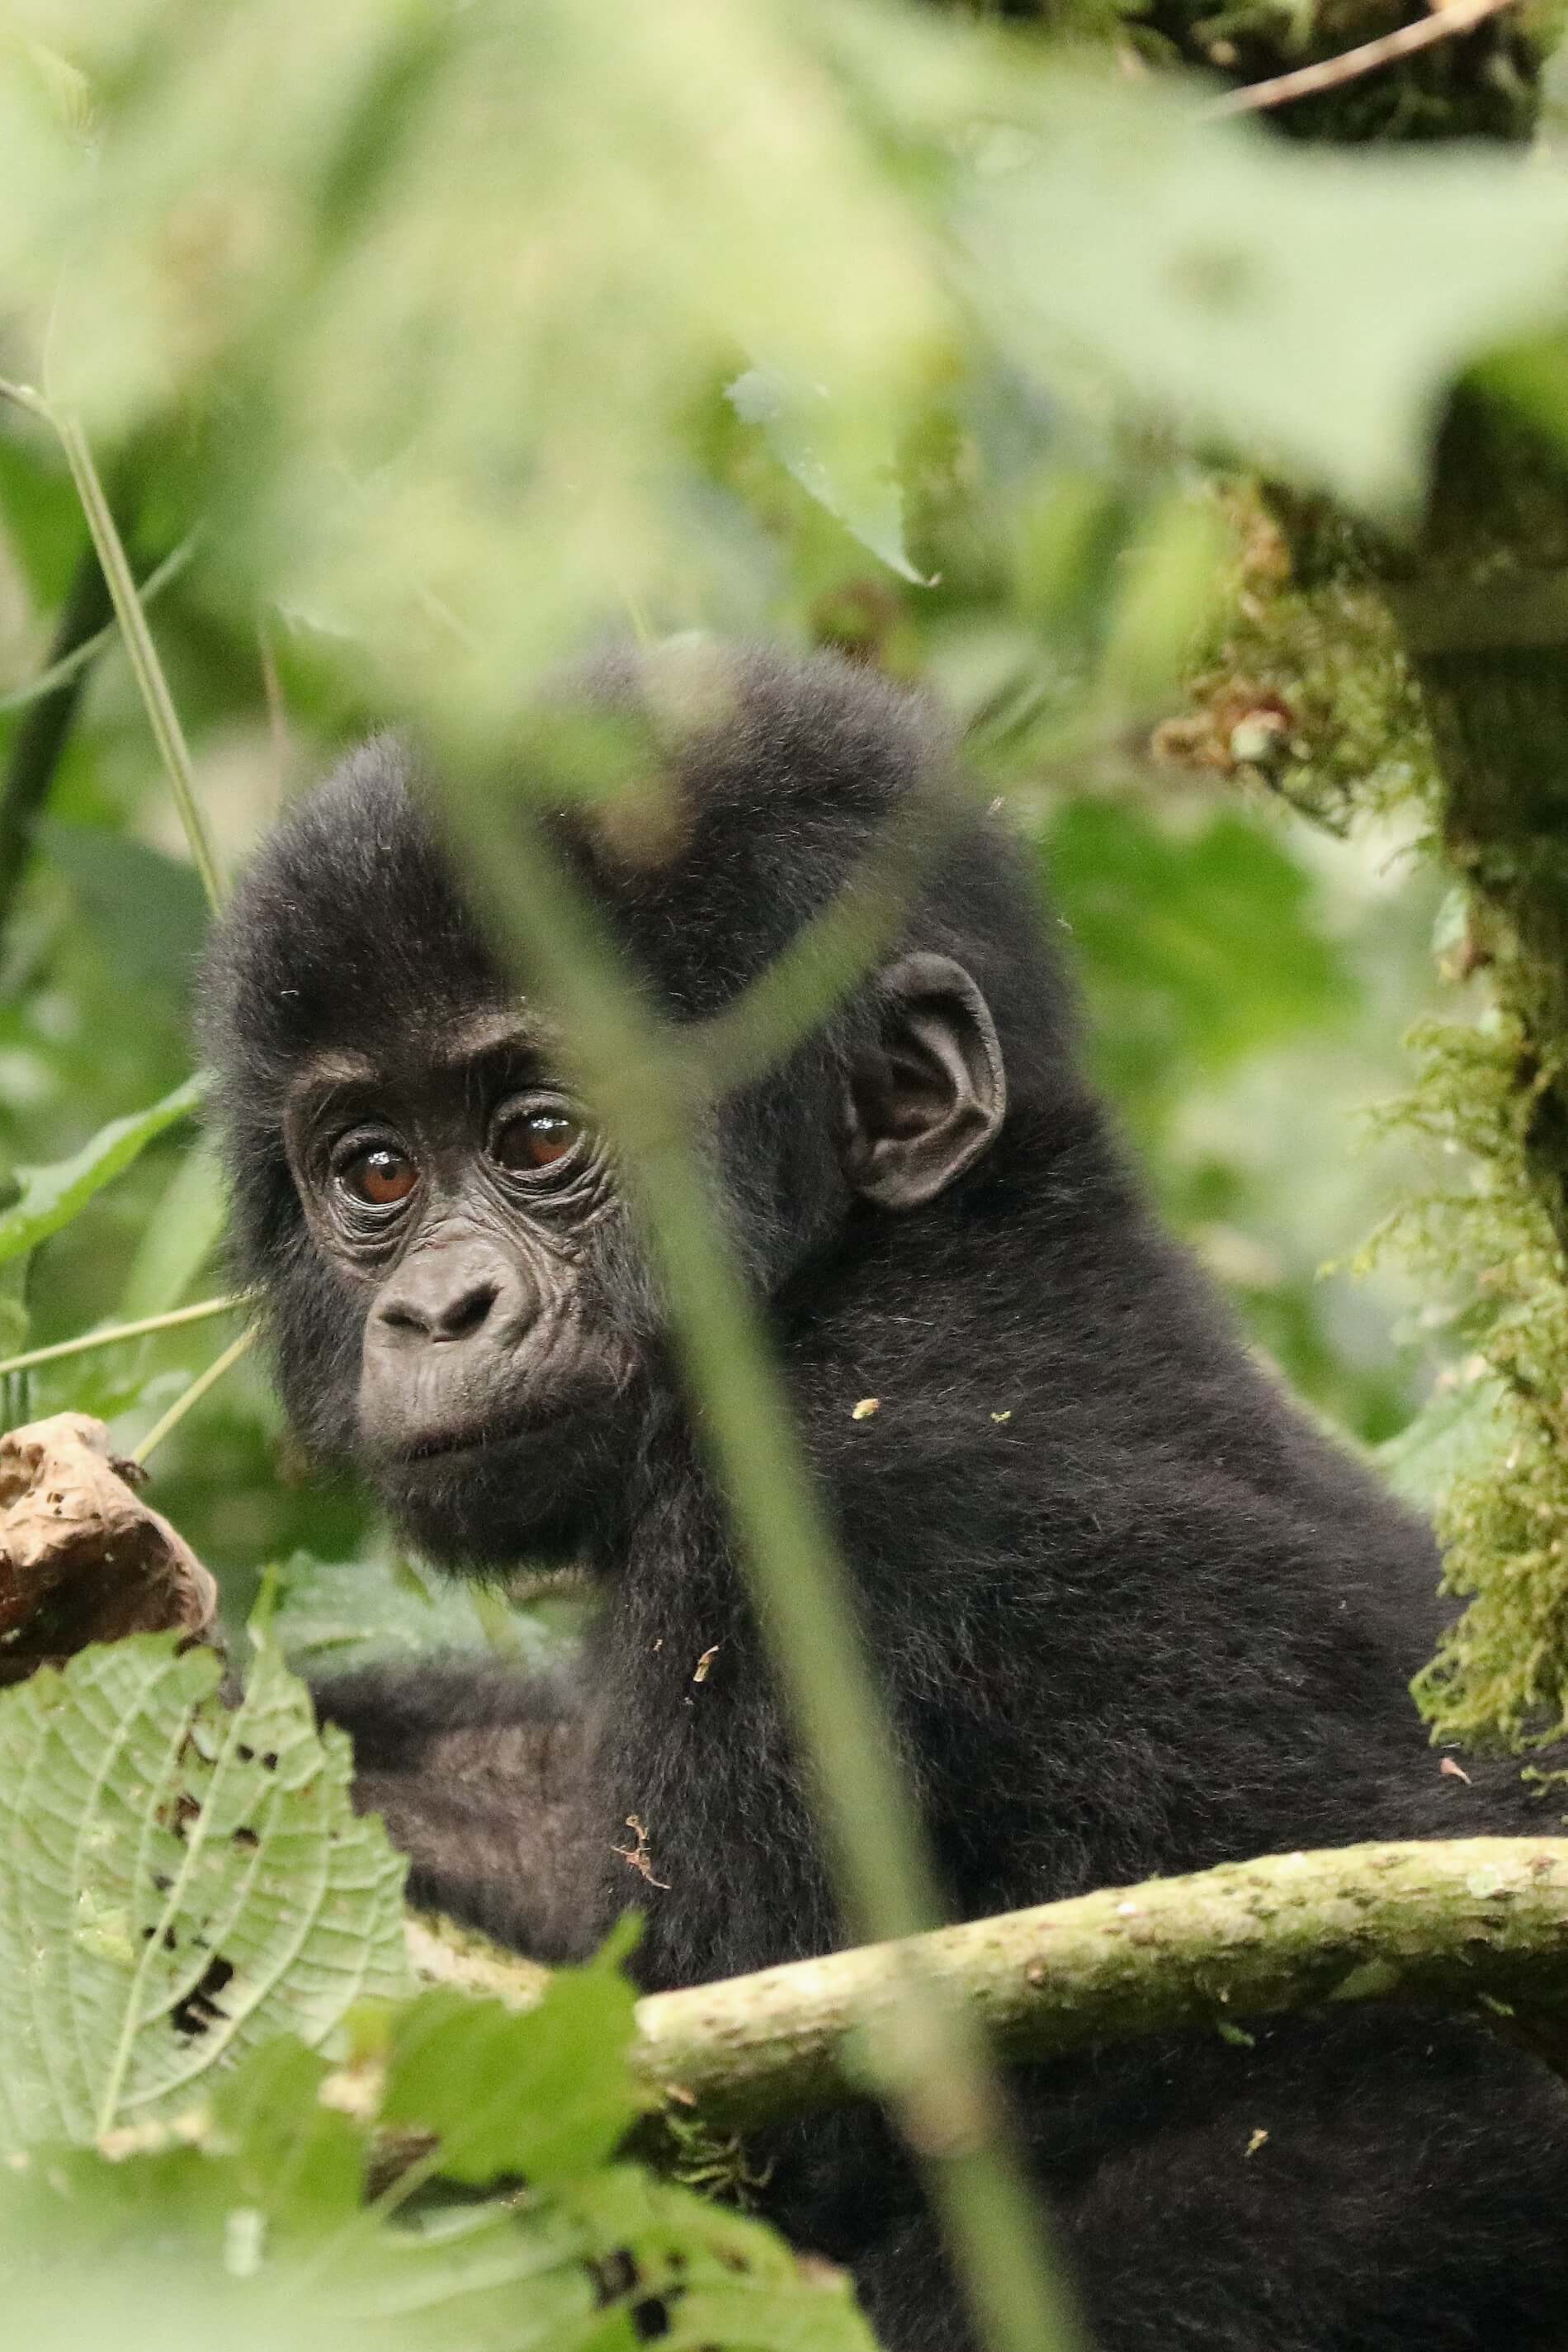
x=534, y=1493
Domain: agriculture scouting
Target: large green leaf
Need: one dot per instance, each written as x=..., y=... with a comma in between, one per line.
x=472, y=267
x=249, y=2228
x=1306, y=307
x=179, y=1881
x=52, y=1196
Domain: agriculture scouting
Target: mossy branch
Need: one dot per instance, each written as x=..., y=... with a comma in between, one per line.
x=1475, y=1924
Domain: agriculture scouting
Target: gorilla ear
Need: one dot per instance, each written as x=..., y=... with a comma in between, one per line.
x=925, y=1102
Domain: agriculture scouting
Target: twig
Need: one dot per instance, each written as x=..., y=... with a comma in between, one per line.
x=194, y=1394
x=61, y=670
x=89, y=1341
x=143, y=654
x=1332, y=73
x=277, y=711
x=1476, y=1925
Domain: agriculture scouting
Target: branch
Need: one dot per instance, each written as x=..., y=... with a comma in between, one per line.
x=1331, y=73
x=1475, y=1924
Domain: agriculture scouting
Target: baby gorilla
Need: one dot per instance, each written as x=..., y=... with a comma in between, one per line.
x=1133, y=1613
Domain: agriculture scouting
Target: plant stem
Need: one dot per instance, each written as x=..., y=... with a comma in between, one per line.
x=927, y=2058
x=66, y=664
x=143, y=654
x=194, y=1394
x=111, y=1336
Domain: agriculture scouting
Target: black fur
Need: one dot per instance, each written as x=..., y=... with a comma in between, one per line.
x=1133, y=1613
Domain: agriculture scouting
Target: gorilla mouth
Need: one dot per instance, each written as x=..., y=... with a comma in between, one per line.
x=481, y=1437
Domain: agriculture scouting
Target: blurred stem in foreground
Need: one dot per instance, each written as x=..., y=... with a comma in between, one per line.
x=927, y=2058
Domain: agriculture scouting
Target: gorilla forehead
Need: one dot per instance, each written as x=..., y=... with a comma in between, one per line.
x=775, y=780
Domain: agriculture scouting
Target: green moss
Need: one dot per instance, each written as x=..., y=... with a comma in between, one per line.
x=1306, y=690
x=1501, y=1676
x=1303, y=690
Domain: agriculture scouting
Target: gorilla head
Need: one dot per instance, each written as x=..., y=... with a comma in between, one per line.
x=459, y=1303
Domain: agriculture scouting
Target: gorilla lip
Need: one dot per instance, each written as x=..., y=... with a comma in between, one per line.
x=468, y=1441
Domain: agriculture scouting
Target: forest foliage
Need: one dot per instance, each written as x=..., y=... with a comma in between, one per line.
x=411, y=346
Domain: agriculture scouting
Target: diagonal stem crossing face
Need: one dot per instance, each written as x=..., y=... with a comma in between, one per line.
x=929, y=2059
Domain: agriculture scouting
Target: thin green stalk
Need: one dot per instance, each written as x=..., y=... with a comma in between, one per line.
x=935, y=2071
x=143, y=655
x=111, y=1336
x=141, y=652
x=831, y=952
x=198, y=1389
x=60, y=673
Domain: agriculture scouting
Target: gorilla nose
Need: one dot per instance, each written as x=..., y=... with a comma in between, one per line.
x=439, y=1301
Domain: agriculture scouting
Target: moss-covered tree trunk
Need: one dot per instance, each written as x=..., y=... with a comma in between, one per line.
x=1480, y=597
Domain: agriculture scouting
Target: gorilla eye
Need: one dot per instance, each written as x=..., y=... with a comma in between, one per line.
x=381, y=1176
x=535, y=1138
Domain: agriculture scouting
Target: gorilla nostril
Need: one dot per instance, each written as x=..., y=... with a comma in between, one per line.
x=460, y=1315
x=421, y=1313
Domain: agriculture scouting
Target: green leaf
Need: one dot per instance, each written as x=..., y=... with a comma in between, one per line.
x=175, y=2251
x=412, y=162
x=1163, y=921
x=719, y=2277
x=52, y=1196
x=297, y=2160
x=180, y=1236
x=144, y=908
x=542, y=2092
x=813, y=442
x=1457, y=1431
x=1306, y=307
x=179, y=1882
x=343, y=1614
x=183, y=2250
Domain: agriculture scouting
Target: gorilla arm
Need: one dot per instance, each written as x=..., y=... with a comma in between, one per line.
x=478, y=1774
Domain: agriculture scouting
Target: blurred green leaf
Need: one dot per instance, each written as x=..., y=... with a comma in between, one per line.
x=1199, y=944
x=144, y=908
x=1305, y=305
x=52, y=1196
x=337, y=1615
x=178, y=2251
x=178, y=1239
x=178, y=1882
x=859, y=487
x=468, y=269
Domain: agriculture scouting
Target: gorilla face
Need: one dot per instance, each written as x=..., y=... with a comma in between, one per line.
x=466, y=1213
